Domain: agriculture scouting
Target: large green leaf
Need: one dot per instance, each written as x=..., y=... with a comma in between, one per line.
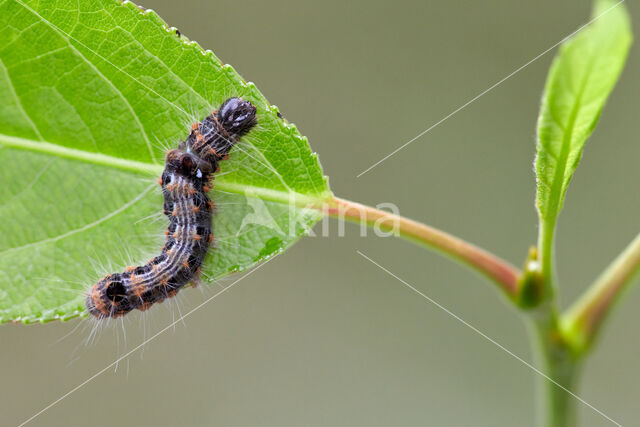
x=92, y=94
x=581, y=78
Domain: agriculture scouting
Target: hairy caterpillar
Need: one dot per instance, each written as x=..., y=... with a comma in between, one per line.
x=185, y=182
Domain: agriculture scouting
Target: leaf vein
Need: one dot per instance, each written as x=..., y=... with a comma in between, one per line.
x=18, y=102
x=84, y=227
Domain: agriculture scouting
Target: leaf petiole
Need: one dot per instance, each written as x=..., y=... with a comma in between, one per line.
x=498, y=270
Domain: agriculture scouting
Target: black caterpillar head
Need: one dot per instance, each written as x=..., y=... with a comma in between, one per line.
x=237, y=116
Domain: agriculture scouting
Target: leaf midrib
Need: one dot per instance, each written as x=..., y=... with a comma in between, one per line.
x=284, y=197
x=559, y=176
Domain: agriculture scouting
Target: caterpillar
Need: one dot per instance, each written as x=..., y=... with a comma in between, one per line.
x=187, y=178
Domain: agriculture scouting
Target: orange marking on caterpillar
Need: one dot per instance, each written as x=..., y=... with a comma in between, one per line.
x=145, y=306
x=139, y=290
x=97, y=301
x=199, y=137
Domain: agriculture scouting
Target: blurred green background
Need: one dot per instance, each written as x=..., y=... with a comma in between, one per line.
x=319, y=336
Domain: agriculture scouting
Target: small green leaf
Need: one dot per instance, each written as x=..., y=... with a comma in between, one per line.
x=93, y=92
x=581, y=78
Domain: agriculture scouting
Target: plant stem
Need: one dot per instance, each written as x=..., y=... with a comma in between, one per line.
x=546, y=249
x=554, y=354
x=498, y=270
x=584, y=319
x=556, y=406
x=555, y=357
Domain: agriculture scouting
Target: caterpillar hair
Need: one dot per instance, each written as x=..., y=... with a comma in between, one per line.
x=186, y=181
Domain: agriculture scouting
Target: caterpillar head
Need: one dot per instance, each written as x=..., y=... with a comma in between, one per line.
x=237, y=116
